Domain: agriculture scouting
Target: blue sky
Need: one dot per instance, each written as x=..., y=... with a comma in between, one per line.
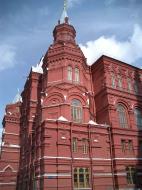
x=111, y=27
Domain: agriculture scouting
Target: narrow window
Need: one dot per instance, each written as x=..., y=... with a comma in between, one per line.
x=85, y=146
x=129, y=85
x=136, y=89
x=76, y=181
x=74, y=144
x=81, y=178
x=123, y=145
x=131, y=175
x=69, y=73
x=113, y=80
x=119, y=81
x=122, y=116
x=138, y=117
x=76, y=75
x=130, y=145
x=76, y=111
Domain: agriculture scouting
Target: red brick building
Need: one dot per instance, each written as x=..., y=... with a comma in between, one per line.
x=10, y=149
x=80, y=126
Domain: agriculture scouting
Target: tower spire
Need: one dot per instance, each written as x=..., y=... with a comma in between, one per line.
x=65, y=5
x=64, y=15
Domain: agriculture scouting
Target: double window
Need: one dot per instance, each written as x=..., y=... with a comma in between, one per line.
x=74, y=73
x=84, y=147
x=76, y=111
x=127, y=145
x=122, y=116
x=81, y=178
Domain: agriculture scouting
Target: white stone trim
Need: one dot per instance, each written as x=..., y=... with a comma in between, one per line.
x=127, y=158
x=109, y=174
x=10, y=151
x=54, y=157
x=11, y=134
x=64, y=138
x=87, y=158
x=101, y=159
x=11, y=145
x=61, y=118
x=102, y=174
x=10, y=183
x=81, y=158
x=91, y=122
x=55, y=175
x=83, y=188
x=8, y=166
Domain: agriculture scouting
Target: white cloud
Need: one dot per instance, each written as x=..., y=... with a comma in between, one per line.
x=7, y=57
x=71, y=3
x=128, y=51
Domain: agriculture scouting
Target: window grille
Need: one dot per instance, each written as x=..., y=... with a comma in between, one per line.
x=81, y=178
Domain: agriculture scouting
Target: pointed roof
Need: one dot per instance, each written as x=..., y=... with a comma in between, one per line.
x=18, y=97
x=64, y=13
x=38, y=67
x=61, y=118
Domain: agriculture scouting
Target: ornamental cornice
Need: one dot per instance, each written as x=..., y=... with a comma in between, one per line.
x=70, y=57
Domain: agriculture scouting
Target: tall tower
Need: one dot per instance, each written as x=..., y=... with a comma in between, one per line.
x=60, y=99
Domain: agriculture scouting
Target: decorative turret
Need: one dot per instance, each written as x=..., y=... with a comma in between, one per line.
x=64, y=32
x=17, y=98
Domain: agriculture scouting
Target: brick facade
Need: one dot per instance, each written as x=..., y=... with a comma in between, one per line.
x=78, y=127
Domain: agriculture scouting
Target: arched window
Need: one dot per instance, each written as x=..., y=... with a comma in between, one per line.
x=69, y=73
x=122, y=116
x=138, y=116
x=77, y=75
x=76, y=110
